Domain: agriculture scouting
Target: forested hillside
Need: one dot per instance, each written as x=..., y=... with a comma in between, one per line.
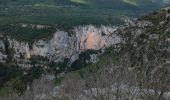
x=135, y=68
x=84, y=50
x=63, y=14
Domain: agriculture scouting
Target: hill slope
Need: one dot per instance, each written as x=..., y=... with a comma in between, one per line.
x=138, y=59
x=64, y=14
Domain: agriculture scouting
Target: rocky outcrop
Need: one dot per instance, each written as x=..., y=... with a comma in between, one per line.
x=3, y=56
x=63, y=45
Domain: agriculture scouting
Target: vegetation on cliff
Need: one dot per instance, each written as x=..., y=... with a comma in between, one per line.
x=64, y=14
x=140, y=64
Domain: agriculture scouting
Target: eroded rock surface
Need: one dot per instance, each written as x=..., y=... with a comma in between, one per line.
x=63, y=45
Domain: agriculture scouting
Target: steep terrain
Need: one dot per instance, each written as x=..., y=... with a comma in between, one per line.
x=62, y=45
x=140, y=49
x=127, y=62
x=101, y=58
x=65, y=14
x=136, y=69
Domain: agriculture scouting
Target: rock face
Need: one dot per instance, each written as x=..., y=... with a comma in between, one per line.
x=62, y=45
x=2, y=51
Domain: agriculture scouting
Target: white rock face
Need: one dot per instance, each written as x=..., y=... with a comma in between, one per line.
x=62, y=45
x=20, y=48
x=144, y=24
x=2, y=50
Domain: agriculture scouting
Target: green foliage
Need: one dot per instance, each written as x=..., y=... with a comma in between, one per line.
x=168, y=10
x=33, y=73
x=26, y=33
x=58, y=80
x=8, y=72
x=64, y=14
x=155, y=17
x=63, y=98
x=13, y=79
x=110, y=56
x=82, y=61
x=59, y=67
x=10, y=80
x=11, y=17
x=16, y=85
x=36, y=59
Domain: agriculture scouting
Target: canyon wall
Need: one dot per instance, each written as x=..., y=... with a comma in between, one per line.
x=62, y=45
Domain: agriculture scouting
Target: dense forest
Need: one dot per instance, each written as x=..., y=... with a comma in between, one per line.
x=64, y=14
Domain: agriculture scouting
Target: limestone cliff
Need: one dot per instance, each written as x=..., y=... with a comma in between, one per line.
x=62, y=45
